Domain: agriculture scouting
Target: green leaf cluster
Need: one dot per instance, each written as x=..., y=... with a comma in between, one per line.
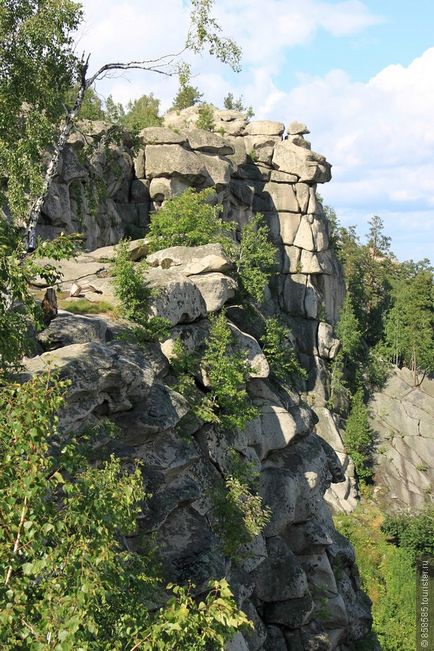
x=412, y=532
x=256, y=259
x=279, y=351
x=189, y=219
x=37, y=66
x=227, y=403
x=388, y=577
x=239, y=515
x=358, y=438
x=205, y=118
x=134, y=295
x=409, y=324
x=68, y=582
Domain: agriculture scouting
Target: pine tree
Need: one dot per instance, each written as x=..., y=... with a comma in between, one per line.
x=409, y=324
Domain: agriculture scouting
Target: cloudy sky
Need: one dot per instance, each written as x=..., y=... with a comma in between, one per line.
x=359, y=73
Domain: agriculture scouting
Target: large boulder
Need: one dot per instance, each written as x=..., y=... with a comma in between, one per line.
x=192, y=260
x=176, y=297
x=100, y=374
x=174, y=160
x=309, y=166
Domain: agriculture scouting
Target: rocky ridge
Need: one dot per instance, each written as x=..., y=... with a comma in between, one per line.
x=297, y=581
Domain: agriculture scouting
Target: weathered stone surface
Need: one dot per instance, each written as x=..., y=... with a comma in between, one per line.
x=178, y=299
x=218, y=170
x=265, y=127
x=192, y=260
x=401, y=418
x=297, y=128
x=282, y=197
x=293, y=613
x=328, y=345
x=210, y=143
x=216, y=289
x=256, y=358
x=280, y=576
x=304, y=238
x=161, y=410
x=161, y=136
x=162, y=188
x=100, y=375
x=307, y=165
x=173, y=160
x=67, y=329
x=137, y=249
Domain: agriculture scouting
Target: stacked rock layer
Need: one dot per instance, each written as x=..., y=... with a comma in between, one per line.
x=297, y=581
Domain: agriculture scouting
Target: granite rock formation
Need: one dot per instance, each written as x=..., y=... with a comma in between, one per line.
x=297, y=581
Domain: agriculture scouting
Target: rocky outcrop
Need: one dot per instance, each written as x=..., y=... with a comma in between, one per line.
x=402, y=419
x=298, y=581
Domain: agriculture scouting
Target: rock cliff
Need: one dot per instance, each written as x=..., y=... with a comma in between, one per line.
x=297, y=581
x=402, y=419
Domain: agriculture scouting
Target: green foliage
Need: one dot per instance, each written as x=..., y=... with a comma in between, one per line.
x=37, y=66
x=280, y=352
x=205, y=32
x=83, y=306
x=134, y=295
x=141, y=113
x=228, y=371
x=114, y=111
x=91, y=107
x=232, y=104
x=186, y=625
x=239, y=515
x=412, y=532
x=387, y=576
x=358, y=438
x=187, y=94
x=188, y=219
x=256, y=259
x=409, y=324
x=206, y=118
x=18, y=308
x=348, y=330
x=226, y=402
x=68, y=583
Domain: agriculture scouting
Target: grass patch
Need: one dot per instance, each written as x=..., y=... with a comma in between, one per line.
x=388, y=577
x=83, y=306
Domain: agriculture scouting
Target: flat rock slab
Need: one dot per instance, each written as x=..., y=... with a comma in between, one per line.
x=192, y=260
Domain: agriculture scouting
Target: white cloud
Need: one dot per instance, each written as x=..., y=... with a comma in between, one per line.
x=135, y=29
x=379, y=135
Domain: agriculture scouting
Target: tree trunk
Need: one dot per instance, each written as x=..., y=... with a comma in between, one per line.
x=35, y=212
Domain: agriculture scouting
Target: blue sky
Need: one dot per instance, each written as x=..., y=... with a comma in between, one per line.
x=360, y=73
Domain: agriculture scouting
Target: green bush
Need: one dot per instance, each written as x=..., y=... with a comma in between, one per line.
x=280, y=352
x=188, y=219
x=255, y=259
x=239, y=515
x=358, y=438
x=67, y=581
x=387, y=576
x=412, y=532
x=227, y=402
x=206, y=118
x=134, y=296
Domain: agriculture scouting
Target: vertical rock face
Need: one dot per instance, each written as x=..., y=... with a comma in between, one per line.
x=297, y=581
x=401, y=419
